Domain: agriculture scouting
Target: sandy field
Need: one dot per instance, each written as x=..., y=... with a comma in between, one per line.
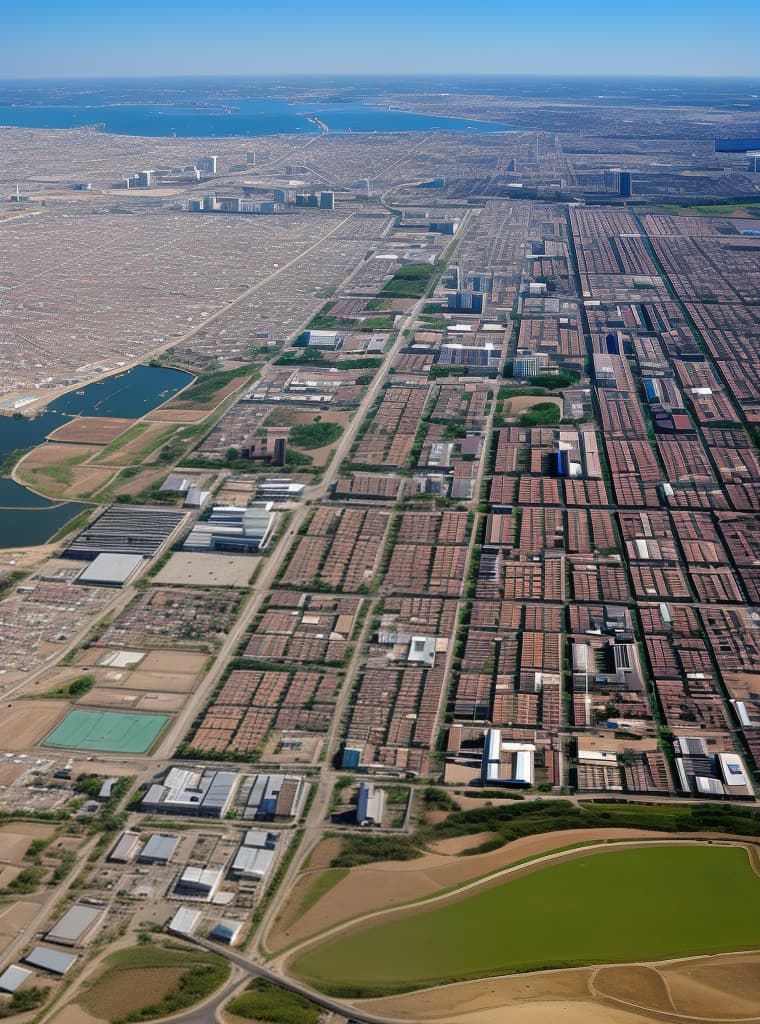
x=181, y=662
x=10, y=772
x=25, y=724
x=12, y=559
x=15, y=917
x=137, y=680
x=98, y=430
x=459, y=843
x=213, y=570
x=171, y=415
x=73, y=1014
x=52, y=454
x=390, y=883
x=725, y=988
x=15, y=839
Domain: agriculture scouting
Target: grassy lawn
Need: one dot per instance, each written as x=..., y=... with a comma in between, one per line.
x=314, y=435
x=263, y=1001
x=320, y=886
x=614, y=907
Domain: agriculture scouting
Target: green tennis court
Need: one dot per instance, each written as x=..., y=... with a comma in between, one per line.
x=112, y=732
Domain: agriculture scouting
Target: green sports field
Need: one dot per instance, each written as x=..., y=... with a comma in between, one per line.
x=112, y=732
x=613, y=907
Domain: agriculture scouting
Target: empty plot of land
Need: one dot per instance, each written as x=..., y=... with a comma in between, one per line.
x=96, y=430
x=215, y=570
x=14, y=918
x=25, y=724
x=15, y=840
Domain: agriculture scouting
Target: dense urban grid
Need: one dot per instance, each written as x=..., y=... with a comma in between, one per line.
x=448, y=542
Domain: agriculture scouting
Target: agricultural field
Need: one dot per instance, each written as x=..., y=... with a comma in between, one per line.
x=608, y=907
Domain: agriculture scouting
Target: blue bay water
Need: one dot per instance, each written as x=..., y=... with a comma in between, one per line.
x=27, y=518
x=242, y=117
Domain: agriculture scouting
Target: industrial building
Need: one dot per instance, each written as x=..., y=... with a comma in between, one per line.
x=255, y=856
x=108, y=570
x=370, y=804
x=479, y=360
x=506, y=763
x=126, y=530
x=233, y=528
x=126, y=847
x=197, y=794
x=53, y=960
x=280, y=489
x=76, y=924
x=703, y=771
x=330, y=340
x=199, y=883
x=227, y=931
x=13, y=978
x=276, y=796
x=159, y=849
x=185, y=921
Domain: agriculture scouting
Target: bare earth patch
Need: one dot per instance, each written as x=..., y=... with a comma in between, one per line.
x=74, y=1014
x=98, y=430
x=708, y=988
x=514, y=406
x=716, y=986
x=459, y=843
x=26, y=724
x=642, y=986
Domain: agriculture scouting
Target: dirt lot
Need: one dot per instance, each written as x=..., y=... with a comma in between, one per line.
x=52, y=454
x=24, y=725
x=16, y=837
x=98, y=430
x=514, y=406
x=459, y=843
x=14, y=918
x=169, y=415
x=709, y=988
x=387, y=884
x=73, y=1014
x=123, y=991
x=190, y=568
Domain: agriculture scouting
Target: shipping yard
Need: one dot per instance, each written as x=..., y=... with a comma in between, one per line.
x=428, y=595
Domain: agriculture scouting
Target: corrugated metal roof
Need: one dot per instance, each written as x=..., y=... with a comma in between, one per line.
x=75, y=923
x=53, y=960
x=159, y=848
x=13, y=978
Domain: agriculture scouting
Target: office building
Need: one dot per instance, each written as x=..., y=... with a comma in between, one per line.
x=467, y=302
x=207, y=164
x=527, y=363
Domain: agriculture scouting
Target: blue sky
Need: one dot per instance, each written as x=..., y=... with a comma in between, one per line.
x=667, y=37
